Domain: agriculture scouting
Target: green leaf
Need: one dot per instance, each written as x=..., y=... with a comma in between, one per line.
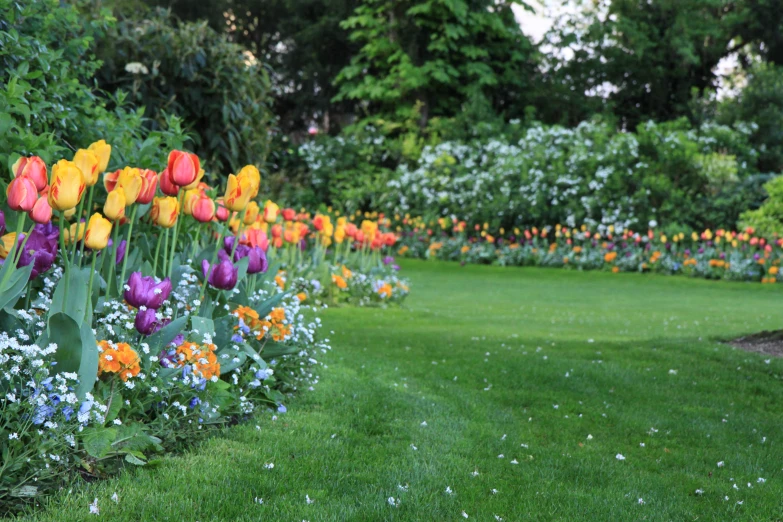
x=272, y=349
x=203, y=326
x=134, y=460
x=98, y=441
x=75, y=303
x=14, y=287
x=264, y=308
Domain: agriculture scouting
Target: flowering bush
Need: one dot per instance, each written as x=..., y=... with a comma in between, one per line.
x=143, y=310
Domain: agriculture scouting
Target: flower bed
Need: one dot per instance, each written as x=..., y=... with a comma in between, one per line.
x=140, y=314
x=720, y=254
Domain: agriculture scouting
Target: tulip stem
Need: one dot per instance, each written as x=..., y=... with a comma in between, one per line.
x=165, y=252
x=74, y=247
x=89, y=286
x=18, y=258
x=63, y=252
x=127, y=244
x=14, y=250
x=89, y=209
x=176, y=232
x=202, y=294
x=110, y=279
x=157, y=253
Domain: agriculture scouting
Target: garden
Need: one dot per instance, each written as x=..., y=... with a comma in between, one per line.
x=380, y=260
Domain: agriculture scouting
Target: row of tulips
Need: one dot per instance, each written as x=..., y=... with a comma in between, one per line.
x=142, y=310
x=720, y=254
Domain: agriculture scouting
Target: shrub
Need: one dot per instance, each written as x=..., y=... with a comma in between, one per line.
x=219, y=90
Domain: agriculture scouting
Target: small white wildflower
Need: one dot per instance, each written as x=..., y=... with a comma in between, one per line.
x=269, y=465
x=761, y=480
x=589, y=437
x=619, y=456
x=394, y=502
x=308, y=499
x=258, y=500
x=449, y=491
x=672, y=372
x=641, y=501
x=475, y=473
x=720, y=464
x=94, y=508
x=464, y=515
x=699, y=492
x=115, y=498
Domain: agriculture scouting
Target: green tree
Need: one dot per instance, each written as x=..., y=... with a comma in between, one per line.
x=424, y=57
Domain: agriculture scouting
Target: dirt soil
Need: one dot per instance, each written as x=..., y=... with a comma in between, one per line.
x=767, y=343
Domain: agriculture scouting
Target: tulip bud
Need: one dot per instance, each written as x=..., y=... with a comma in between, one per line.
x=87, y=162
x=289, y=214
x=183, y=167
x=149, y=183
x=204, y=209
x=114, y=208
x=251, y=213
x=237, y=193
x=33, y=168
x=166, y=185
x=21, y=194
x=41, y=212
x=102, y=151
x=67, y=186
x=164, y=211
x=221, y=213
x=98, y=230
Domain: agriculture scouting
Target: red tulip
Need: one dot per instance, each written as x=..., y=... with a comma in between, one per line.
x=33, y=168
x=203, y=209
x=41, y=212
x=22, y=194
x=149, y=183
x=183, y=167
x=289, y=214
x=167, y=186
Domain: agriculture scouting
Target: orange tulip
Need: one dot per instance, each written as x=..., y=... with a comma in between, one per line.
x=149, y=183
x=41, y=211
x=21, y=194
x=164, y=211
x=33, y=168
x=183, y=167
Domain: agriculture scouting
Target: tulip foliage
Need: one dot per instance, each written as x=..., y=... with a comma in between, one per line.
x=139, y=308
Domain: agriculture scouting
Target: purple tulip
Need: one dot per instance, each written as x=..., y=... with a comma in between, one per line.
x=143, y=291
x=120, y=250
x=257, y=262
x=40, y=249
x=146, y=321
x=388, y=260
x=222, y=275
x=2, y=223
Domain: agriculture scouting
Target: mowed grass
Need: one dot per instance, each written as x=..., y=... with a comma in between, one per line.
x=515, y=388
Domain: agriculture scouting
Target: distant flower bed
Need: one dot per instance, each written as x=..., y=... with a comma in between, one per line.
x=142, y=312
x=720, y=254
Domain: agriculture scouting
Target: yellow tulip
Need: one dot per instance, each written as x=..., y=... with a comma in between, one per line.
x=164, y=211
x=251, y=213
x=252, y=174
x=238, y=193
x=131, y=181
x=98, y=230
x=114, y=208
x=67, y=186
x=6, y=244
x=271, y=210
x=74, y=231
x=189, y=199
x=102, y=151
x=88, y=163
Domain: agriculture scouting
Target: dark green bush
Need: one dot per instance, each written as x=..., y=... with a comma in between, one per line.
x=220, y=91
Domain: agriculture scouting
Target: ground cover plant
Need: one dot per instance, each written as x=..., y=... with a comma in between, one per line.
x=599, y=396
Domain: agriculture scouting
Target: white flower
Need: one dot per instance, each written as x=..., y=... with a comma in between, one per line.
x=449, y=491
x=619, y=456
x=258, y=500
x=94, y=508
x=589, y=437
x=136, y=68
x=115, y=498
x=699, y=491
x=394, y=502
x=761, y=480
x=308, y=499
x=672, y=372
x=720, y=464
x=269, y=465
x=641, y=501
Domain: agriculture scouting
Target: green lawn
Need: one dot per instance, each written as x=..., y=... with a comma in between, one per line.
x=558, y=372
